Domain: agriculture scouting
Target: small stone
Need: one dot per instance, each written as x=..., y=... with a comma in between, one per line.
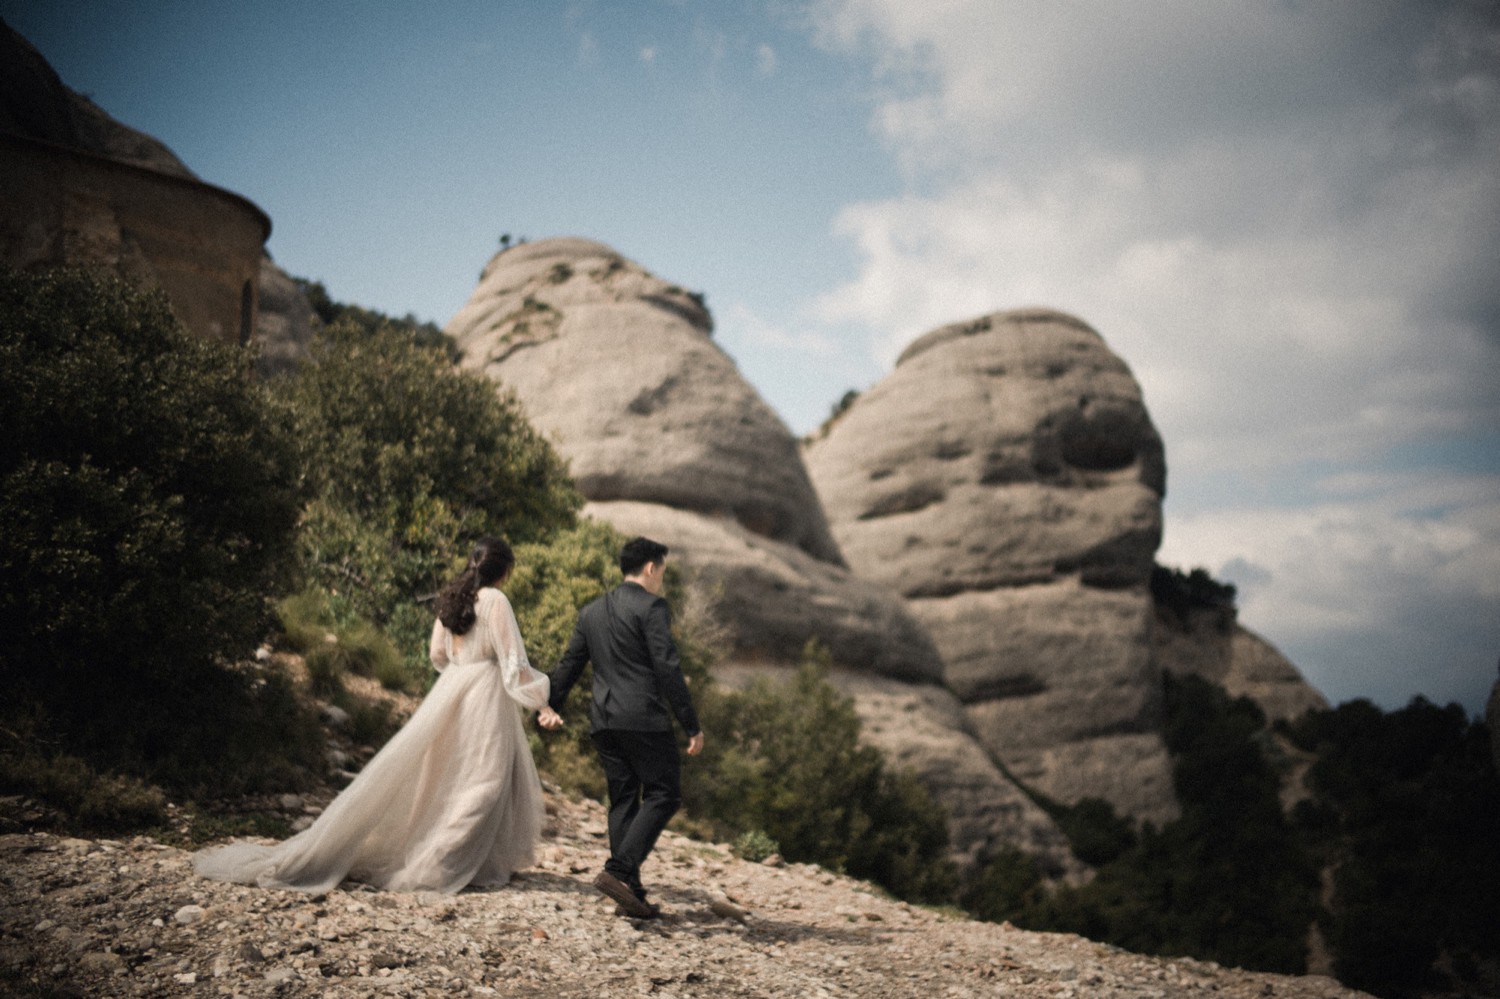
x=186, y=978
x=278, y=975
x=725, y=909
x=102, y=961
x=539, y=934
x=189, y=914
x=290, y=802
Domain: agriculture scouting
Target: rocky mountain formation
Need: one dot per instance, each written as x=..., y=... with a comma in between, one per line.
x=995, y=508
x=1035, y=650
x=665, y=438
x=1006, y=478
x=35, y=102
x=122, y=918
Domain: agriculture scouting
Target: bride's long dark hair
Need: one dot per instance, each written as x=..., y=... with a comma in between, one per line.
x=490, y=562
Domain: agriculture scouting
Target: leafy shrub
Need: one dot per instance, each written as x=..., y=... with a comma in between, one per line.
x=755, y=846
x=785, y=758
x=1009, y=884
x=1180, y=593
x=1228, y=881
x=93, y=801
x=333, y=648
x=149, y=492
x=411, y=460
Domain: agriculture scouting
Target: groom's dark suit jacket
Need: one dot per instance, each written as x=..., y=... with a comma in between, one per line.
x=638, y=683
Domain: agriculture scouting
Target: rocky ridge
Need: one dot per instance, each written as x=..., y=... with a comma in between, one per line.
x=1007, y=480
x=125, y=918
x=1019, y=519
x=665, y=438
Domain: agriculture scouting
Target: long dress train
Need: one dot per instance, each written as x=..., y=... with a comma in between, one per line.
x=453, y=798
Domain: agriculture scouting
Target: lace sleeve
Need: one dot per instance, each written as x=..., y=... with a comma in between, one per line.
x=437, y=647
x=528, y=686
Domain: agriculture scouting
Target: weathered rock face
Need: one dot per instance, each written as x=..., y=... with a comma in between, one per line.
x=666, y=439
x=617, y=367
x=775, y=597
x=1006, y=451
x=84, y=190
x=1007, y=479
x=1209, y=644
x=284, y=323
x=35, y=102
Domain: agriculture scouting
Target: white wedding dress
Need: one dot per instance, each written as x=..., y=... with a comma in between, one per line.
x=453, y=799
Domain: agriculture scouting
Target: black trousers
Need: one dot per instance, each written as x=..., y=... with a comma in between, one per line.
x=644, y=772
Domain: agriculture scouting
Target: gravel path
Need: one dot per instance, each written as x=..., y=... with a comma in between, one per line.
x=128, y=918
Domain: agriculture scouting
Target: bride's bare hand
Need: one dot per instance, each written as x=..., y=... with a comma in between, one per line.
x=549, y=719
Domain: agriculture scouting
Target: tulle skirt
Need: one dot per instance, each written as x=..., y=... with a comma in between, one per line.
x=453, y=799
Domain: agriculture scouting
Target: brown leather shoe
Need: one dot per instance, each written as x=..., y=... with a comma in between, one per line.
x=621, y=893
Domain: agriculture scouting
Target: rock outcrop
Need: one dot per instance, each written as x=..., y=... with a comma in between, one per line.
x=35, y=103
x=618, y=368
x=284, y=324
x=662, y=434
x=1211, y=645
x=84, y=190
x=666, y=439
x=1007, y=479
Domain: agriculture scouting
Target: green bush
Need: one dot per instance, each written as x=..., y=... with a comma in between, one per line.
x=755, y=846
x=333, y=648
x=410, y=461
x=1228, y=881
x=92, y=801
x=149, y=492
x=785, y=758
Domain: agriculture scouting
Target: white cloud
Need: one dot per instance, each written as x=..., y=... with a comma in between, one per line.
x=1281, y=216
x=765, y=60
x=1388, y=589
x=648, y=54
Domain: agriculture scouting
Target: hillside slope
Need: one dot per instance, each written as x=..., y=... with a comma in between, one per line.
x=128, y=918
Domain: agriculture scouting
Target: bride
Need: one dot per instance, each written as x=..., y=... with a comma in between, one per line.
x=453, y=798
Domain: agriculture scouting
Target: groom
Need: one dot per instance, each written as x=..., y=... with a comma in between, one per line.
x=638, y=688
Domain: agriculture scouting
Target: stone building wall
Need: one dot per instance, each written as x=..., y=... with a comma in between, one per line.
x=201, y=244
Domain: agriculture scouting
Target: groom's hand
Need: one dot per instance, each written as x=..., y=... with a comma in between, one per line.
x=695, y=745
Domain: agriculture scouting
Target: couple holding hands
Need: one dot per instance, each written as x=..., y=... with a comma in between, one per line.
x=453, y=799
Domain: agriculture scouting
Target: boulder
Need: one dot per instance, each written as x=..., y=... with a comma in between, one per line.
x=617, y=367
x=1007, y=479
x=1006, y=451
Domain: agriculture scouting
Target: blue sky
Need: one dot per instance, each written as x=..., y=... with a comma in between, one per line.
x=1285, y=217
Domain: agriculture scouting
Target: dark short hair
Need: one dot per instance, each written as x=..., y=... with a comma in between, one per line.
x=638, y=552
